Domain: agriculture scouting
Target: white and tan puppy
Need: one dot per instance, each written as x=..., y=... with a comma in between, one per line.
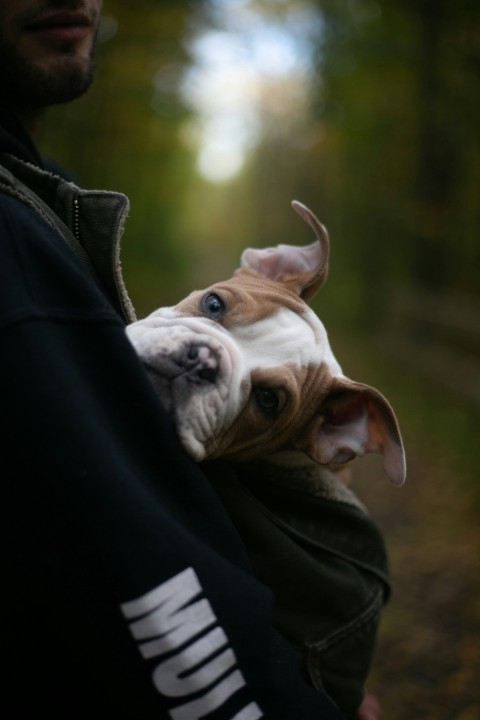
x=245, y=368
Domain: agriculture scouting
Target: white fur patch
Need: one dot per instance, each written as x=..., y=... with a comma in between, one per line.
x=285, y=338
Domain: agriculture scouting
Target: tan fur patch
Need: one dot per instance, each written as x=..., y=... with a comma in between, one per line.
x=301, y=391
x=245, y=296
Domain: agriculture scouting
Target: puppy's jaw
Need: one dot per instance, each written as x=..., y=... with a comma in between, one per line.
x=201, y=399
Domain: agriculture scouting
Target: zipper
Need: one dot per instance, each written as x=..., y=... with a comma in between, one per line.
x=76, y=219
x=12, y=173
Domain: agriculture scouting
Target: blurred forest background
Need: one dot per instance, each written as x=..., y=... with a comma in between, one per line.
x=213, y=116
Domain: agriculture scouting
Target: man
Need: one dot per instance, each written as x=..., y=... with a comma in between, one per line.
x=129, y=592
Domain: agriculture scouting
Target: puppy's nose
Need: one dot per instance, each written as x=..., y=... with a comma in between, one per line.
x=202, y=363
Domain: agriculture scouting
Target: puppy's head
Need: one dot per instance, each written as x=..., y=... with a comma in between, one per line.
x=245, y=368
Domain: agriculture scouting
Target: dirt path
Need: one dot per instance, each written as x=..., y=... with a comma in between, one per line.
x=428, y=659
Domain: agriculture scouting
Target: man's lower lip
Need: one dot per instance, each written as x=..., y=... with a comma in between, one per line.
x=60, y=33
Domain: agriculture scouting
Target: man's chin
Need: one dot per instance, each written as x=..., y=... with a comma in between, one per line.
x=56, y=78
x=65, y=79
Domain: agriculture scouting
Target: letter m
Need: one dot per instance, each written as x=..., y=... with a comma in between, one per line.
x=162, y=619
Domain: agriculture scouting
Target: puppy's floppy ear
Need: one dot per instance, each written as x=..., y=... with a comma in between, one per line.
x=304, y=269
x=355, y=419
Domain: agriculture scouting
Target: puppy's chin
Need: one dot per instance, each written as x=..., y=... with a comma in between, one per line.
x=173, y=395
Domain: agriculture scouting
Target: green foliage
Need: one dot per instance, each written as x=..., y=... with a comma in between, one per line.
x=400, y=97
x=388, y=154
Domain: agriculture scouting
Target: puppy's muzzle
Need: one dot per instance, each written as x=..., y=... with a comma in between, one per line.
x=201, y=363
x=195, y=363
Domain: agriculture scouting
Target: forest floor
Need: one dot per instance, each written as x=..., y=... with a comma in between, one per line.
x=427, y=665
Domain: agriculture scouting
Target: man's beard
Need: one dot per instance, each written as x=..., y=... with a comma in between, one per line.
x=27, y=86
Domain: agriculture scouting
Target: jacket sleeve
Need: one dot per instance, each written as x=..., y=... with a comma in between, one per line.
x=128, y=589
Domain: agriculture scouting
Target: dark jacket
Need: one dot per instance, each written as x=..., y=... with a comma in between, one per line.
x=128, y=590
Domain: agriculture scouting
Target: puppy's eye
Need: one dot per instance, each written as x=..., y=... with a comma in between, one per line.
x=213, y=305
x=267, y=399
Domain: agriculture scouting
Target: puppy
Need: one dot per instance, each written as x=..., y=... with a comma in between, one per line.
x=246, y=371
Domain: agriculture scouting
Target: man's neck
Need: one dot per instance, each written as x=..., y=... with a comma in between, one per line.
x=17, y=132
x=29, y=119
